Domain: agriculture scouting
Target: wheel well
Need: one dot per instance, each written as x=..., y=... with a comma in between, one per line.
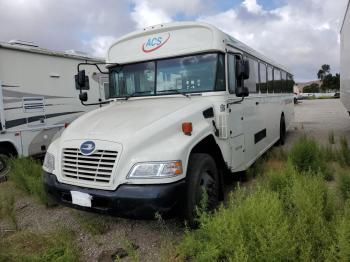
x=209, y=146
x=8, y=148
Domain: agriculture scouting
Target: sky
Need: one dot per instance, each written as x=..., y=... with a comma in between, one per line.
x=300, y=34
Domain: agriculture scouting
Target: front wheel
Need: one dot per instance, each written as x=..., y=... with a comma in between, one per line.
x=201, y=180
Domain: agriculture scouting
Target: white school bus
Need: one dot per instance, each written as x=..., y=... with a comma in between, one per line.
x=188, y=105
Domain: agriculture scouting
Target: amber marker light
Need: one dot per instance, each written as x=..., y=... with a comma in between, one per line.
x=187, y=128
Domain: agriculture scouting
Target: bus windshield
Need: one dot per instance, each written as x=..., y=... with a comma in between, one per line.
x=188, y=74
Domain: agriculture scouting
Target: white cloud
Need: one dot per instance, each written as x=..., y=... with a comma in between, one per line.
x=146, y=15
x=100, y=45
x=252, y=6
x=302, y=35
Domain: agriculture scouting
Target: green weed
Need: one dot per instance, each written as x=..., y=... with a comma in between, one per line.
x=30, y=246
x=7, y=205
x=26, y=174
x=94, y=224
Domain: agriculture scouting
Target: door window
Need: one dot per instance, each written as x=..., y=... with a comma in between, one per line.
x=231, y=73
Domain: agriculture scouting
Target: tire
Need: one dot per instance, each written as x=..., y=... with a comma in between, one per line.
x=202, y=173
x=4, y=166
x=282, y=131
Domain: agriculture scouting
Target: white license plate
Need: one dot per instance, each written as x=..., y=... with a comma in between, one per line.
x=81, y=199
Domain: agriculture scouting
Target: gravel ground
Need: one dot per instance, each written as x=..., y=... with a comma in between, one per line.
x=312, y=117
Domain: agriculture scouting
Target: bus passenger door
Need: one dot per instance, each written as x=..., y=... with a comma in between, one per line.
x=235, y=113
x=236, y=138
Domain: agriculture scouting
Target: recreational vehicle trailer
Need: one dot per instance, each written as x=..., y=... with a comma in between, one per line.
x=38, y=96
x=189, y=104
x=345, y=60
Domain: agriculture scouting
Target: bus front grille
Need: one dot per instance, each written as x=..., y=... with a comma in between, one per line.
x=96, y=167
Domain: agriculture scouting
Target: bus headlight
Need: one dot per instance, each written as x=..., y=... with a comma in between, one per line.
x=49, y=162
x=156, y=170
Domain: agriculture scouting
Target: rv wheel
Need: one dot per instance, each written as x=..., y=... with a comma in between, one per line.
x=201, y=181
x=4, y=167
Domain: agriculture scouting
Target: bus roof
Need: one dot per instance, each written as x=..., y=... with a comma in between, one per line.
x=176, y=39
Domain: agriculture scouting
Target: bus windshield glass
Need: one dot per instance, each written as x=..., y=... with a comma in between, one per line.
x=188, y=74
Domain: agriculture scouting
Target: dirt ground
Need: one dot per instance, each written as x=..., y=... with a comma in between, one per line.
x=312, y=117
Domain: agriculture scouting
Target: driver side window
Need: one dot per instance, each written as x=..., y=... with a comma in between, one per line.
x=231, y=73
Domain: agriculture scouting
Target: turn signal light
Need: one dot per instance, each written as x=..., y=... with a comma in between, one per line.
x=187, y=128
x=66, y=125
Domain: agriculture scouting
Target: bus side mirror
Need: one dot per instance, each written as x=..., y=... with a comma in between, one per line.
x=242, y=91
x=81, y=78
x=242, y=69
x=83, y=97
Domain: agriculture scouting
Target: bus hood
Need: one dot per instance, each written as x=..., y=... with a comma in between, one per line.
x=127, y=120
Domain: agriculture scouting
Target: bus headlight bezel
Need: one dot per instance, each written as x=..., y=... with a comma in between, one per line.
x=156, y=170
x=49, y=162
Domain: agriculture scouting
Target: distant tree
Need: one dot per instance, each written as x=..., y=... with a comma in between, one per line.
x=323, y=71
x=313, y=88
x=329, y=82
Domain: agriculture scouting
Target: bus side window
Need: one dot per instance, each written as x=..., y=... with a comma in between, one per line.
x=263, y=83
x=257, y=78
x=284, y=82
x=277, y=85
x=251, y=83
x=290, y=83
x=270, y=80
x=231, y=73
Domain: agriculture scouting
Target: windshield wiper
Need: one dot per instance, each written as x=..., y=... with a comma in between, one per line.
x=136, y=93
x=174, y=91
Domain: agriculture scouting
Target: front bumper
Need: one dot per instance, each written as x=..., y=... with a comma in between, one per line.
x=135, y=201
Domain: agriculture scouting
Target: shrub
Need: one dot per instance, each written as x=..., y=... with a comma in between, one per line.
x=30, y=246
x=340, y=249
x=344, y=186
x=7, y=205
x=331, y=138
x=26, y=174
x=251, y=229
x=344, y=153
x=306, y=156
x=290, y=217
x=309, y=212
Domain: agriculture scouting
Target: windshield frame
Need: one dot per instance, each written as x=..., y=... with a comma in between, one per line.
x=113, y=69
